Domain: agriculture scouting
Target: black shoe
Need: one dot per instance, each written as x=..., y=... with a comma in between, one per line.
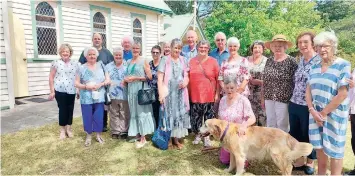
x=105, y=129
x=300, y=168
x=308, y=170
x=124, y=136
x=352, y=172
x=115, y=136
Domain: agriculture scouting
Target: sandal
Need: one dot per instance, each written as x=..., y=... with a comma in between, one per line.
x=197, y=140
x=69, y=132
x=115, y=136
x=100, y=140
x=62, y=134
x=88, y=141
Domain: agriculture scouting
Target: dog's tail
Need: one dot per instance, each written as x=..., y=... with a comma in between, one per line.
x=298, y=149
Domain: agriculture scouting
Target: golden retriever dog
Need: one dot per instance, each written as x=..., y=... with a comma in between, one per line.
x=261, y=143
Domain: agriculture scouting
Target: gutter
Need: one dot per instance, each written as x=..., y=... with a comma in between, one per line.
x=125, y=2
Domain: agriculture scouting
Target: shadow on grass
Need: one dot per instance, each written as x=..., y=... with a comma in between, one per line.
x=40, y=152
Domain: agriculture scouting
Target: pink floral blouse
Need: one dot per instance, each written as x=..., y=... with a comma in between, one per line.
x=239, y=69
x=238, y=112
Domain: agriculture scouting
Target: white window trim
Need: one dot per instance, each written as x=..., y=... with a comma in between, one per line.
x=105, y=14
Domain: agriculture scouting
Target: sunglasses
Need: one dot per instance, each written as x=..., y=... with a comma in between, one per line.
x=155, y=53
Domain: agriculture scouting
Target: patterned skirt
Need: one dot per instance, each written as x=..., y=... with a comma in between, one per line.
x=200, y=112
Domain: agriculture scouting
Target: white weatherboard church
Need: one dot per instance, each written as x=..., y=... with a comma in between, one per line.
x=31, y=32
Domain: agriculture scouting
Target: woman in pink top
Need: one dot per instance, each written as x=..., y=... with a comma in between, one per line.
x=234, y=108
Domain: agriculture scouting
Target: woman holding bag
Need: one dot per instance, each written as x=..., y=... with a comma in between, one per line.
x=172, y=86
x=204, y=89
x=142, y=121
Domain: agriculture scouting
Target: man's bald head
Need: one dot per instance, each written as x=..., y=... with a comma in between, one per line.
x=191, y=37
x=97, y=40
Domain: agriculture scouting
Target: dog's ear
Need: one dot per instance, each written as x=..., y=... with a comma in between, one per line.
x=218, y=130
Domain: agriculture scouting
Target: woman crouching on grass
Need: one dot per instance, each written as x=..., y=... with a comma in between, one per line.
x=235, y=108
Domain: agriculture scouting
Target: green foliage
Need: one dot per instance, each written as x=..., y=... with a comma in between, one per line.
x=334, y=10
x=180, y=7
x=261, y=20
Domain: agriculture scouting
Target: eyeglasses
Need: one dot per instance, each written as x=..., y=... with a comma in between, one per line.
x=218, y=40
x=155, y=53
x=324, y=46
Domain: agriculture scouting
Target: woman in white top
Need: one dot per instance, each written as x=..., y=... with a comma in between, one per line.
x=61, y=84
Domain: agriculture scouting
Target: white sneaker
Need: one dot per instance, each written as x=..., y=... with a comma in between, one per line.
x=207, y=142
x=197, y=140
x=140, y=144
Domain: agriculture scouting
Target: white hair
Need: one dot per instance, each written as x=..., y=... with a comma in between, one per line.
x=324, y=37
x=233, y=40
x=118, y=49
x=86, y=51
x=220, y=33
x=129, y=38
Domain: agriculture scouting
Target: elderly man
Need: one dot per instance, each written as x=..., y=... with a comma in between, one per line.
x=105, y=57
x=220, y=53
x=127, y=43
x=189, y=51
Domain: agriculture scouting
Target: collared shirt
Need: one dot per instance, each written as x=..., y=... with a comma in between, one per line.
x=117, y=74
x=189, y=53
x=105, y=57
x=127, y=55
x=219, y=57
x=300, y=79
x=65, y=75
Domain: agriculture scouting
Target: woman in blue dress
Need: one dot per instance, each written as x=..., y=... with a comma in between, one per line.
x=328, y=104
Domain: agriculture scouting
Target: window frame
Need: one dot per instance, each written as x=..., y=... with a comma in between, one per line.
x=57, y=7
x=142, y=19
x=106, y=12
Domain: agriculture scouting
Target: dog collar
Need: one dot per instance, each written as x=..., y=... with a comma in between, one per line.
x=224, y=132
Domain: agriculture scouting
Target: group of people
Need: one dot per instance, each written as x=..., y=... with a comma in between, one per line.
x=310, y=99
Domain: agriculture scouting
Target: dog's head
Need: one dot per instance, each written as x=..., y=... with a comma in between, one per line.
x=214, y=127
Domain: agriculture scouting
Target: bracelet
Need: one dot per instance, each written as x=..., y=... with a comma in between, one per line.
x=310, y=109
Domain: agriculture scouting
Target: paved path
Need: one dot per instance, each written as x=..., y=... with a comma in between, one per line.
x=32, y=114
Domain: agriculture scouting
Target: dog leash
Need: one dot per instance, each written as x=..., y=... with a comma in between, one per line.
x=224, y=132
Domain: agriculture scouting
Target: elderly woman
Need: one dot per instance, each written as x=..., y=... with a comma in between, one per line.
x=327, y=101
x=91, y=79
x=204, y=88
x=165, y=46
x=256, y=68
x=142, y=120
x=61, y=84
x=172, y=85
x=278, y=83
x=118, y=110
x=236, y=66
x=234, y=108
x=156, y=50
x=297, y=108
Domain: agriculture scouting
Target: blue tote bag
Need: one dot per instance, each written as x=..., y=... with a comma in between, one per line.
x=161, y=136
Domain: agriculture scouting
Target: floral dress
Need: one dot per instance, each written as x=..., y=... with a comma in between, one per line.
x=239, y=69
x=256, y=71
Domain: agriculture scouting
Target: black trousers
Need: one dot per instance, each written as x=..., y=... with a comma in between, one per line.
x=156, y=106
x=299, y=124
x=66, y=107
x=352, y=119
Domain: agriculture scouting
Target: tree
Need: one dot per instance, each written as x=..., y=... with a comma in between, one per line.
x=180, y=7
x=332, y=10
x=261, y=20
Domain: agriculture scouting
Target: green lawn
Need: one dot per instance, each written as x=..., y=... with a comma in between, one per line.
x=40, y=152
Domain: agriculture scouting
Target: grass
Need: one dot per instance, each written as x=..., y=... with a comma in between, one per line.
x=39, y=152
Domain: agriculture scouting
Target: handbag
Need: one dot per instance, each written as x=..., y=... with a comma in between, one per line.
x=161, y=136
x=146, y=96
x=107, y=90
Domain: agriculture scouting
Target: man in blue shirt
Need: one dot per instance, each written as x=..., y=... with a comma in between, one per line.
x=105, y=57
x=189, y=51
x=220, y=53
x=127, y=43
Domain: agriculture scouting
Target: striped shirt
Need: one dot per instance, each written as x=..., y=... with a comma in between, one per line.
x=324, y=87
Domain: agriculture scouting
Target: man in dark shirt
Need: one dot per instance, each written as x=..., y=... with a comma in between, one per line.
x=105, y=57
x=127, y=43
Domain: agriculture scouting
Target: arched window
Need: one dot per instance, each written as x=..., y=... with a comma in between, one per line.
x=99, y=26
x=46, y=29
x=137, y=32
